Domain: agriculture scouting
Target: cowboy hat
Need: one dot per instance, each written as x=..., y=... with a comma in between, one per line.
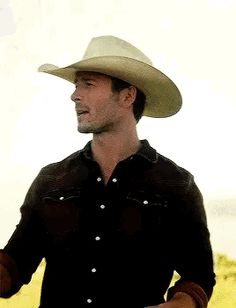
x=117, y=58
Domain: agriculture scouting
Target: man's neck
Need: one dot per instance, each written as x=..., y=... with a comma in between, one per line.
x=109, y=149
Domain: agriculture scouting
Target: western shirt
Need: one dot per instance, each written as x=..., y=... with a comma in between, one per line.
x=113, y=245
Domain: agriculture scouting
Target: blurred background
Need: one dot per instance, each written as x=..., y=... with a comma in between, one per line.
x=191, y=41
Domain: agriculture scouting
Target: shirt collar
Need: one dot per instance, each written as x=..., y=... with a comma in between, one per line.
x=145, y=152
x=87, y=151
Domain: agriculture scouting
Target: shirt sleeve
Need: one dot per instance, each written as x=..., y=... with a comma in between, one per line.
x=192, y=253
x=24, y=250
x=9, y=264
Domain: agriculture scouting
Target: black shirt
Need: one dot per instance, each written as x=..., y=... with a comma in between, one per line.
x=113, y=245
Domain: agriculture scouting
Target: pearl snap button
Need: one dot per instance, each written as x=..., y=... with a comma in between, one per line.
x=89, y=301
x=97, y=238
x=99, y=179
x=114, y=180
x=61, y=198
x=145, y=202
x=102, y=206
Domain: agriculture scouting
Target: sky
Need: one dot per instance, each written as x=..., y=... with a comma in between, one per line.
x=191, y=41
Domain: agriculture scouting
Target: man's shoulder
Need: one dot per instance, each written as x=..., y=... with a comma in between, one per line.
x=167, y=163
x=65, y=164
x=168, y=176
x=161, y=164
x=167, y=168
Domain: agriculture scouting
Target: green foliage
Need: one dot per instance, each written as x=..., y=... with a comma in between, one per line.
x=224, y=295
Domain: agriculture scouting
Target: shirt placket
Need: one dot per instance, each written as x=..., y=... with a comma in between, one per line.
x=97, y=239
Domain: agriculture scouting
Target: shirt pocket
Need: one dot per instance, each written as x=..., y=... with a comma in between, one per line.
x=147, y=211
x=61, y=212
x=145, y=199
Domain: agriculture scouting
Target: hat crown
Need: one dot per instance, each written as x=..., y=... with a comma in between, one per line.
x=113, y=46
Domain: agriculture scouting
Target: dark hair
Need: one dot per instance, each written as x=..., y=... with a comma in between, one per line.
x=140, y=100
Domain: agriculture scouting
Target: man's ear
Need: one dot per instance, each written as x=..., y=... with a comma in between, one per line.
x=128, y=96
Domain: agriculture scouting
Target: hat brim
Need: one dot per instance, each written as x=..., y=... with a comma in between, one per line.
x=163, y=98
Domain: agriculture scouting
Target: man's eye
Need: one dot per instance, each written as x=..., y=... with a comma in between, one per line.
x=84, y=84
x=89, y=83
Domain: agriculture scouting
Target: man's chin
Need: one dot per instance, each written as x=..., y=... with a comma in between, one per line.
x=92, y=129
x=84, y=130
x=88, y=130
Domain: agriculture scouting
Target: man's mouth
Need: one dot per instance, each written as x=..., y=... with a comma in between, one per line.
x=81, y=112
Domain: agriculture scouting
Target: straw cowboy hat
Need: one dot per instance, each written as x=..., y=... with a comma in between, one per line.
x=115, y=57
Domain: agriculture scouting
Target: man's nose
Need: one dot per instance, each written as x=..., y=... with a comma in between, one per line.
x=76, y=95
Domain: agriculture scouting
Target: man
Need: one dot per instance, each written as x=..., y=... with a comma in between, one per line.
x=115, y=219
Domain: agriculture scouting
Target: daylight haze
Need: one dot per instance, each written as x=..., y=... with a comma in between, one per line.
x=193, y=42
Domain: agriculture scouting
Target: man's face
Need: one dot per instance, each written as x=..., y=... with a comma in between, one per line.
x=97, y=107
